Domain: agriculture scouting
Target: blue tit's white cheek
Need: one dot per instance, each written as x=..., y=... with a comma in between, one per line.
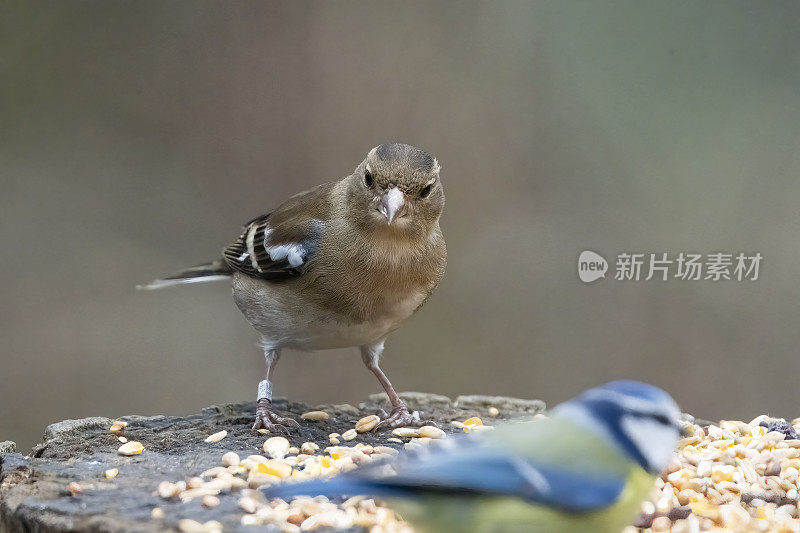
x=655, y=441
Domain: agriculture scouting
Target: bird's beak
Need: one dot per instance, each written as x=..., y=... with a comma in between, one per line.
x=393, y=204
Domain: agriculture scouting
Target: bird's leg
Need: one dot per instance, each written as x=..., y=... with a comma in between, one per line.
x=400, y=416
x=265, y=418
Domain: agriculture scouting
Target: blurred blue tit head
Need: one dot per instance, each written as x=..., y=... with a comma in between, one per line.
x=640, y=419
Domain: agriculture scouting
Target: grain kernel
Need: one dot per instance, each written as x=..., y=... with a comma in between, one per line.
x=661, y=523
x=118, y=427
x=216, y=437
x=230, y=459
x=131, y=448
x=309, y=448
x=74, y=488
x=194, y=483
x=431, y=432
x=275, y=468
x=167, y=490
x=367, y=423
x=350, y=434
x=405, y=432
x=157, y=513
x=112, y=473
x=385, y=449
x=493, y=411
x=316, y=416
x=474, y=421
x=276, y=447
x=187, y=525
x=210, y=501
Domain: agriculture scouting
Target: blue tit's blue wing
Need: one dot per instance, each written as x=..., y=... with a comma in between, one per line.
x=472, y=470
x=491, y=473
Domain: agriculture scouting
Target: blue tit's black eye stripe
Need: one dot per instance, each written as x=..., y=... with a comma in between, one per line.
x=426, y=191
x=368, y=180
x=658, y=417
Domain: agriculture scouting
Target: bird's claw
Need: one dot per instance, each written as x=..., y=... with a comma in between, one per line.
x=400, y=417
x=266, y=419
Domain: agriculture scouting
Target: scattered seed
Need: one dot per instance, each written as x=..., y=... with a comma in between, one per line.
x=131, y=448
x=386, y=450
x=74, y=488
x=248, y=504
x=474, y=421
x=335, y=441
x=431, y=432
x=112, y=473
x=293, y=450
x=309, y=448
x=230, y=459
x=405, y=432
x=194, y=482
x=276, y=447
x=316, y=416
x=350, y=434
x=216, y=437
x=493, y=411
x=123, y=440
x=394, y=439
x=118, y=427
x=367, y=423
x=296, y=518
x=275, y=468
x=192, y=526
x=210, y=501
x=157, y=513
x=167, y=490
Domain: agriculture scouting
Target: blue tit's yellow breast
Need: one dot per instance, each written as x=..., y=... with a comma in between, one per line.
x=512, y=515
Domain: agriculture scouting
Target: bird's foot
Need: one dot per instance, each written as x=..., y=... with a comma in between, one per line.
x=266, y=419
x=399, y=417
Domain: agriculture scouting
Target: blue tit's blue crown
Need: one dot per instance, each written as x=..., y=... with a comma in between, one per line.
x=637, y=389
x=642, y=420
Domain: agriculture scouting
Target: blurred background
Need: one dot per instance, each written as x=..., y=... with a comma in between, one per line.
x=136, y=138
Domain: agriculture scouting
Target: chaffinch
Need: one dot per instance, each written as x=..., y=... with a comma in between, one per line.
x=343, y=264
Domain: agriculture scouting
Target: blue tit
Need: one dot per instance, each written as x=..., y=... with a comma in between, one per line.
x=585, y=468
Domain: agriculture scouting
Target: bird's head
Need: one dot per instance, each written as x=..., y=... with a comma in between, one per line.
x=640, y=419
x=396, y=189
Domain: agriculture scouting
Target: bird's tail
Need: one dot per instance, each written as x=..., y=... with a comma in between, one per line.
x=213, y=271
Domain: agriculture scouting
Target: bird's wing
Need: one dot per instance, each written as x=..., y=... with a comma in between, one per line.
x=278, y=245
x=485, y=471
x=472, y=468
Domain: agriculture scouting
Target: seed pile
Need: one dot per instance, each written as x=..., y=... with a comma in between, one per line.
x=283, y=462
x=731, y=476
x=734, y=476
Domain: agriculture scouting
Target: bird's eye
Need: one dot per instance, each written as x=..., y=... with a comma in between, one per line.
x=426, y=191
x=368, y=181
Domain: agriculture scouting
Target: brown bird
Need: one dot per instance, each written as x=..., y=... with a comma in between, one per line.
x=343, y=264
